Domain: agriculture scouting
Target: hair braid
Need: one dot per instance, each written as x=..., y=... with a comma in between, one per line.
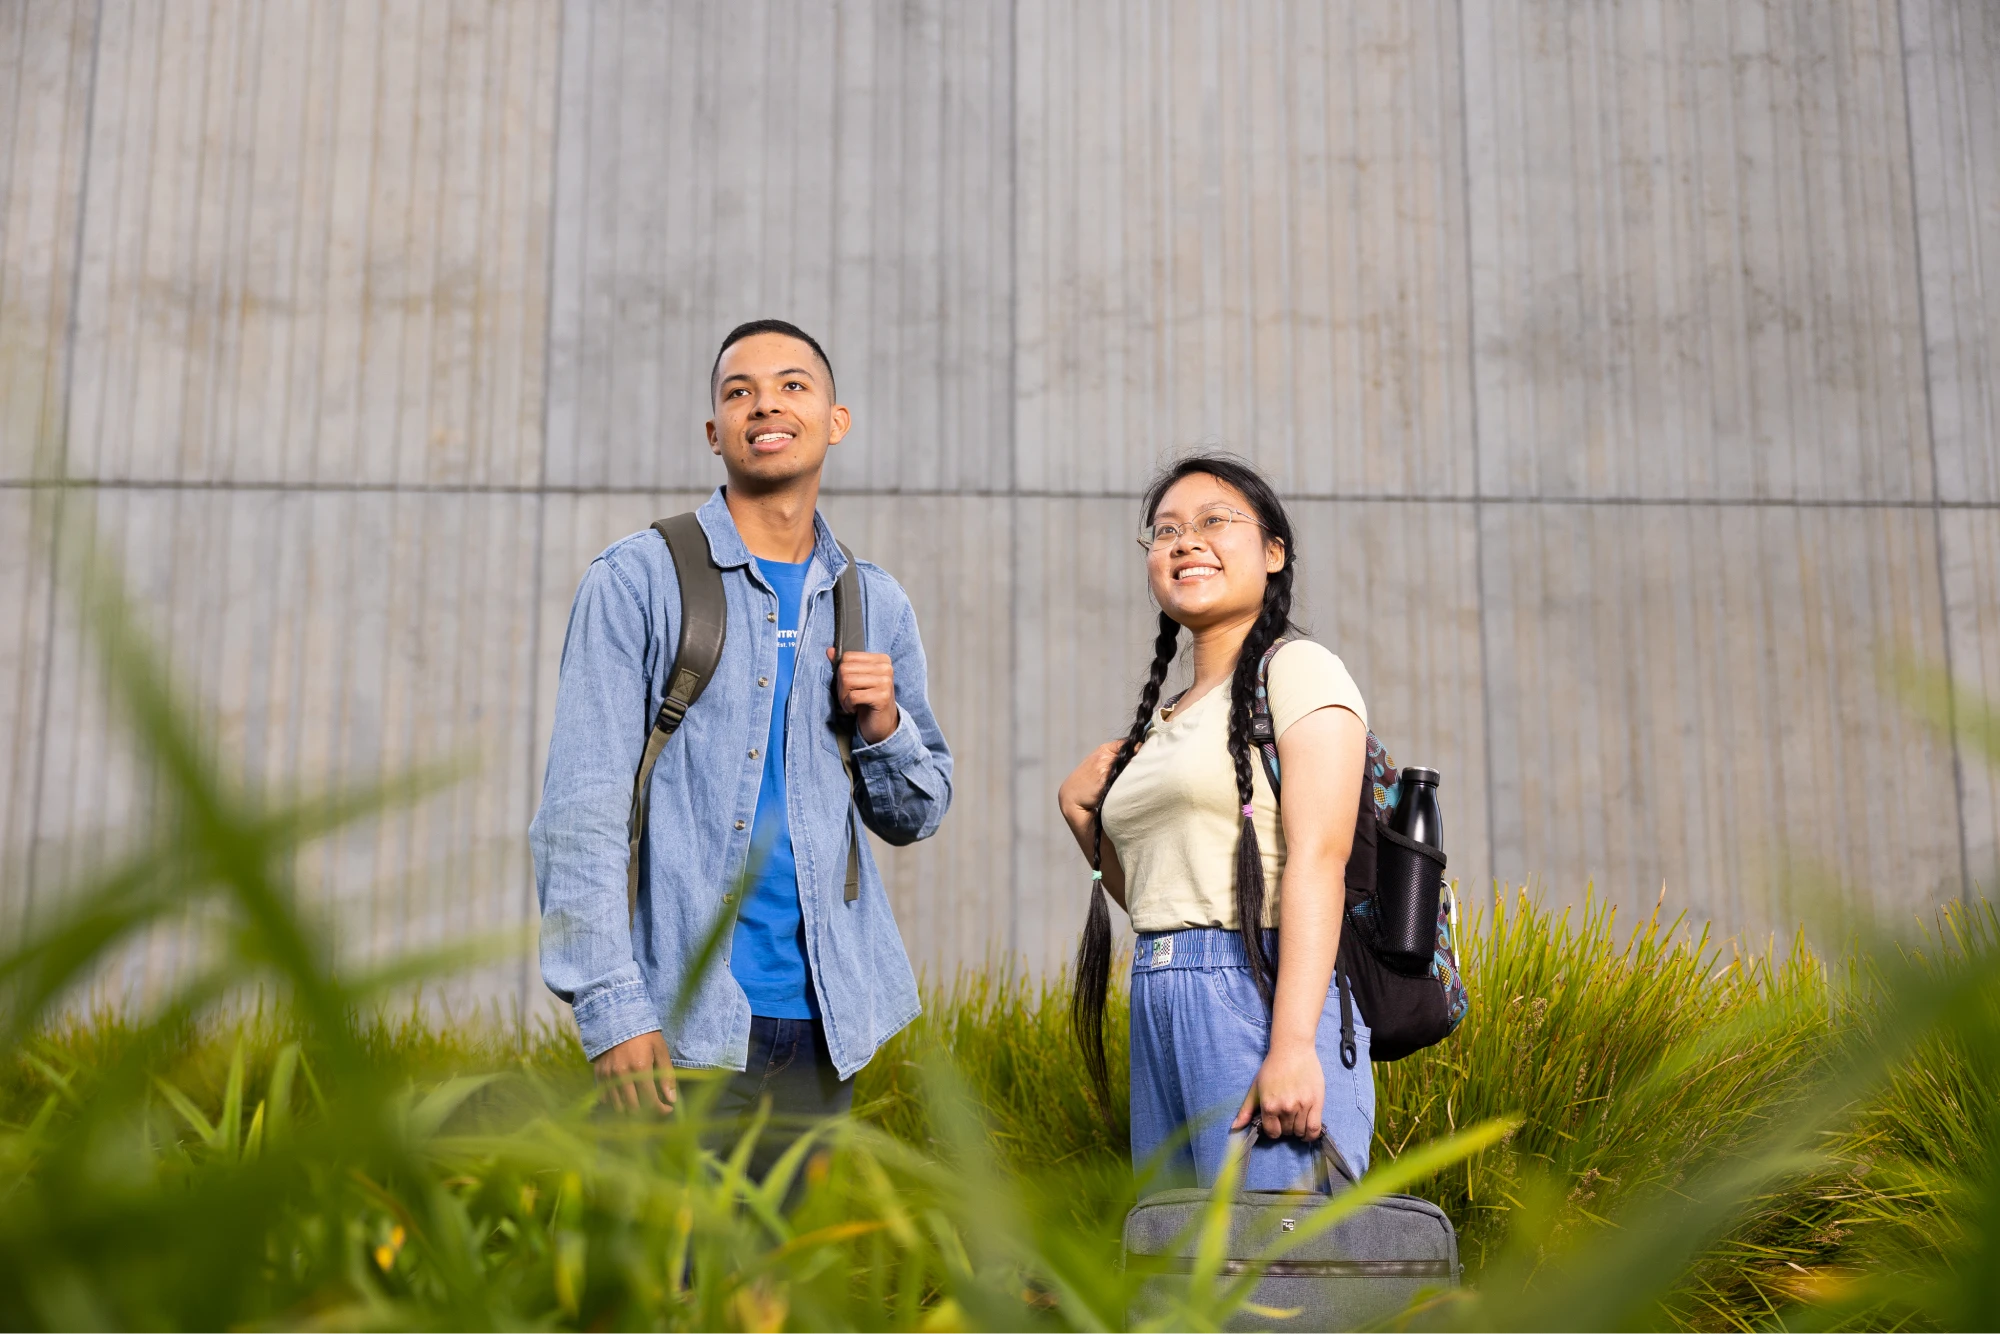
x=1093, y=954
x=1272, y=623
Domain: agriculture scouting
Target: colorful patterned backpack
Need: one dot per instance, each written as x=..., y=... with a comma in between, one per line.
x=1407, y=1010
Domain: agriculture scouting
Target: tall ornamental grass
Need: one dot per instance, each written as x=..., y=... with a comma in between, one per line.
x=1634, y=1128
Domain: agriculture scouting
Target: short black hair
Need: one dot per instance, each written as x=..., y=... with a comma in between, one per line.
x=751, y=330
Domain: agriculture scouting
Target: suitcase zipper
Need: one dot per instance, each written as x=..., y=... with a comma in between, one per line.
x=1181, y=1264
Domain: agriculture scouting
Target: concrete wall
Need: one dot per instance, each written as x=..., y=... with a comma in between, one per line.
x=1631, y=367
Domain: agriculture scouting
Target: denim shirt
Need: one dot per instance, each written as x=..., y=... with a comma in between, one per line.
x=623, y=978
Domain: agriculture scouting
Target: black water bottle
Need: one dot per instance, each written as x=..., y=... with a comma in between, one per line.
x=1410, y=876
x=1417, y=817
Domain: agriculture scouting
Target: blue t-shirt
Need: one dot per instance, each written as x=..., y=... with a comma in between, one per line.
x=768, y=952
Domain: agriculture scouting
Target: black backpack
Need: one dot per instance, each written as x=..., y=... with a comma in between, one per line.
x=1407, y=1008
x=704, y=620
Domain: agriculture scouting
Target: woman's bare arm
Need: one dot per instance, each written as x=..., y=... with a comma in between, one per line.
x=1321, y=756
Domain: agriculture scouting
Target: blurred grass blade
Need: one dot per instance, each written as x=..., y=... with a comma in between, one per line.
x=284, y=1068
x=430, y=1113
x=1929, y=692
x=189, y=1112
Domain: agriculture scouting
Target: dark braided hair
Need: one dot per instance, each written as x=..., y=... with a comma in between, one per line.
x=1093, y=954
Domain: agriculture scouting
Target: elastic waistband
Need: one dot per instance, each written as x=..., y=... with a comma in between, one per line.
x=1196, y=947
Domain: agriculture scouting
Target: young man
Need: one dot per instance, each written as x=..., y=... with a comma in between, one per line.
x=806, y=984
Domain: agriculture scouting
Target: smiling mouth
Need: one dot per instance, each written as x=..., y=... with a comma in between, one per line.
x=1190, y=573
x=770, y=441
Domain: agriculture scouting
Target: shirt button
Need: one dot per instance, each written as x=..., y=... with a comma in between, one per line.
x=730, y=897
x=770, y=615
x=739, y=824
x=753, y=752
x=763, y=680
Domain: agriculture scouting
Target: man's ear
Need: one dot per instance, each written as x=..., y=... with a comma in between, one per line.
x=838, y=421
x=714, y=440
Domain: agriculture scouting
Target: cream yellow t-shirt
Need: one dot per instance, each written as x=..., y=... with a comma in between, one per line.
x=1173, y=815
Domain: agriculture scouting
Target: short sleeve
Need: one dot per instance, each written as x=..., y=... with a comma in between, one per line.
x=1306, y=676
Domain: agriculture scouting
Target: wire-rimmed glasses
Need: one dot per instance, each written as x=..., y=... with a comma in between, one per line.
x=1207, y=525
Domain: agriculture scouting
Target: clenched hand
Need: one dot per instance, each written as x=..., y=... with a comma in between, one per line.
x=1289, y=1097
x=864, y=684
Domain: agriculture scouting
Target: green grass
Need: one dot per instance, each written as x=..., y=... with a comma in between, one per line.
x=1573, y=1022
x=1634, y=1128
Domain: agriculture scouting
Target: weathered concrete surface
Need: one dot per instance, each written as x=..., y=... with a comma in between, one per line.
x=1632, y=367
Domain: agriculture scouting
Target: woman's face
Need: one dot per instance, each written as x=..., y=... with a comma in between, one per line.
x=1210, y=573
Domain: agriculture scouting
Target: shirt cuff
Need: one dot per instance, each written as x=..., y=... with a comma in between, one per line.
x=894, y=750
x=613, y=1015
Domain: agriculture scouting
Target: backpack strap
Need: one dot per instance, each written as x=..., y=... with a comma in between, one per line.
x=704, y=621
x=850, y=635
x=1379, y=779
x=1262, y=733
x=1380, y=775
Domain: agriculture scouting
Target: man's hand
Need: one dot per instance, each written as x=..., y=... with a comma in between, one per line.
x=638, y=1075
x=864, y=684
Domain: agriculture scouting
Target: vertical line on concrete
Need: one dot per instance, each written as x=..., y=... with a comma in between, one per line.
x=1478, y=469
x=58, y=462
x=1013, y=479
x=530, y=964
x=1018, y=834
x=1930, y=430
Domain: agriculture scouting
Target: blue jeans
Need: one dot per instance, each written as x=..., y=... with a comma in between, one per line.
x=790, y=1065
x=1199, y=1035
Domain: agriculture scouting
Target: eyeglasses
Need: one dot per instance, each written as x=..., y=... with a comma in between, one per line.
x=1207, y=525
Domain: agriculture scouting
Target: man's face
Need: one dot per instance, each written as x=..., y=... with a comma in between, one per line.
x=775, y=417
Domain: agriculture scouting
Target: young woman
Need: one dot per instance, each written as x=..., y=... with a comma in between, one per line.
x=1236, y=896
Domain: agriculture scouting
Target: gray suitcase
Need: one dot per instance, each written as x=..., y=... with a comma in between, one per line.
x=1364, y=1268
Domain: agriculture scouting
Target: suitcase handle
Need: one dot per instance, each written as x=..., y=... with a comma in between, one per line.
x=1331, y=1162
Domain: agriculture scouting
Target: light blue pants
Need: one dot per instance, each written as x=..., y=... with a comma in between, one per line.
x=1199, y=1035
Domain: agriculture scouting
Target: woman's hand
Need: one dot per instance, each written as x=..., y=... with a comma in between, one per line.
x=1289, y=1097
x=1078, y=798
x=1081, y=792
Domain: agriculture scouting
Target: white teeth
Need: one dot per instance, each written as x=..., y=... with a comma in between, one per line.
x=769, y=436
x=1197, y=572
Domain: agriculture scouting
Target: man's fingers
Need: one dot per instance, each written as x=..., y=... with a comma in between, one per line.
x=654, y=1089
x=863, y=682
x=664, y=1081
x=619, y=1094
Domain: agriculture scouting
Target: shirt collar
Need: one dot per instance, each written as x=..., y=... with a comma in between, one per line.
x=725, y=544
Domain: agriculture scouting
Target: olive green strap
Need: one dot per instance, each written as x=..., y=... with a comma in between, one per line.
x=850, y=635
x=704, y=618
x=704, y=622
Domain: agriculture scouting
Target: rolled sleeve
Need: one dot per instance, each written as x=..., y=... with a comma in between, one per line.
x=614, y=1014
x=901, y=752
